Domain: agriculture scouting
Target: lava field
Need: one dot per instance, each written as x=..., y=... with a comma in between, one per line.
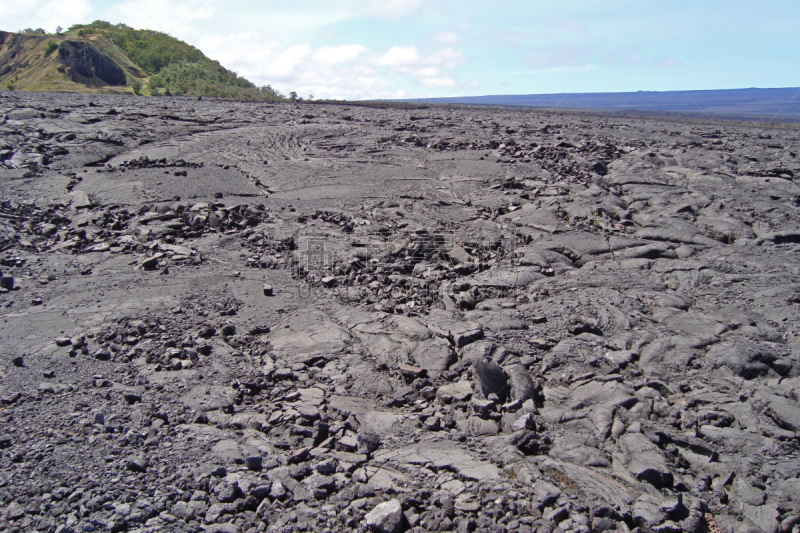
x=234, y=317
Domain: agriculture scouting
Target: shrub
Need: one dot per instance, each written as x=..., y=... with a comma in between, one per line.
x=209, y=78
x=136, y=85
x=49, y=48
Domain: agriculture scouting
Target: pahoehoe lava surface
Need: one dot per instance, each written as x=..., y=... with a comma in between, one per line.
x=222, y=316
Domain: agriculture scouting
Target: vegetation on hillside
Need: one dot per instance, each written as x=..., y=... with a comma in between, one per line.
x=176, y=67
x=50, y=47
x=151, y=50
x=208, y=78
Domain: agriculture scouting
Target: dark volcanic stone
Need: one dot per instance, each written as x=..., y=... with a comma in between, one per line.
x=132, y=398
x=86, y=61
x=137, y=464
x=227, y=492
x=368, y=442
x=254, y=462
x=491, y=379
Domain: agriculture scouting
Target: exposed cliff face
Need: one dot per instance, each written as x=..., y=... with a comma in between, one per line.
x=58, y=63
x=88, y=65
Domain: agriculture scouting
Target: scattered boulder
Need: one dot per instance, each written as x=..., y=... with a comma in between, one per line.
x=490, y=379
x=137, y=463
x=645, y=461
x=745, y=358
x=434, y=355
x=386, y=517
x=460, y=391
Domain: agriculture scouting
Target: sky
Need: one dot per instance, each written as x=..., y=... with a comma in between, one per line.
x=358, y=49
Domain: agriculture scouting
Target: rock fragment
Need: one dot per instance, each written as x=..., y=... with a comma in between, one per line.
x=459, y=391
x=386, y=517
x=490, y=379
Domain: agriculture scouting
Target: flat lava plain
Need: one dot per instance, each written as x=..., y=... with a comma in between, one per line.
x=222, y=316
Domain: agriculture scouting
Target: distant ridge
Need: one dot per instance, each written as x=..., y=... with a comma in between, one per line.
x=777, y=103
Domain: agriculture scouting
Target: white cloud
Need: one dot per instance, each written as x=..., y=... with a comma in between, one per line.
x=325, y=72
x=427, y=72
x=408, y=58
x=43, y=14
x=393, y=9
x=399, y=57
x=346, y=71
x=339, y=54
x=291, y=60
x=173, y=17
x=241, y=52
x=427, y=69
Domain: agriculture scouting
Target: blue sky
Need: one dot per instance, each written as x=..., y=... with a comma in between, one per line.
x=421, y=48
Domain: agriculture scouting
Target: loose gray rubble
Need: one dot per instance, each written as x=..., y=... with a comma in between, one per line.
x=232, y=317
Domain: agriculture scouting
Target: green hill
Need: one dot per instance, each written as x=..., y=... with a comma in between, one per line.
x=104, y=57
